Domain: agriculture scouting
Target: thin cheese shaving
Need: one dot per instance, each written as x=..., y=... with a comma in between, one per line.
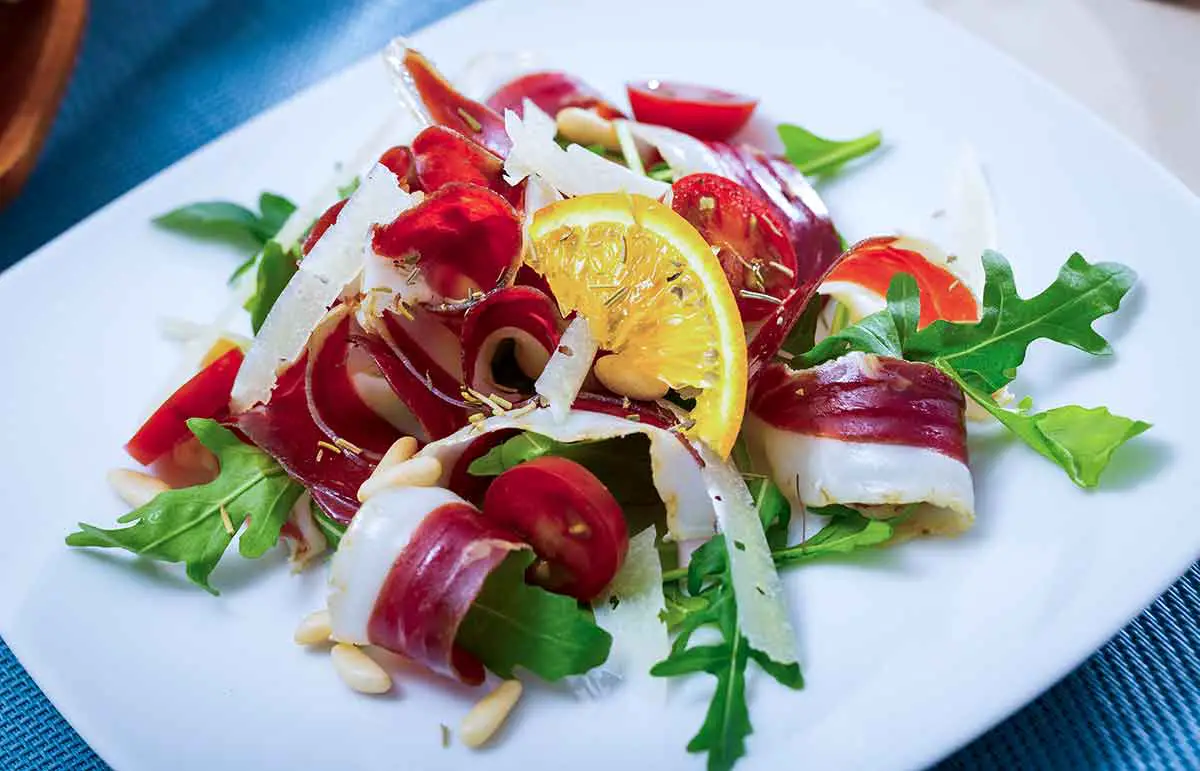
x=762, y=614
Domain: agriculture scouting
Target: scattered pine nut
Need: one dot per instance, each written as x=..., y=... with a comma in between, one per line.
x=358, y=670
x=401, y=450
x=135, y=487
x=315, y=629
x=584, y=127
x=486, y=717
x=624, y=380
x=415, y=472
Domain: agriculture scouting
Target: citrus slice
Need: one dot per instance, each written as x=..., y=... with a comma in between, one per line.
x=654, y=294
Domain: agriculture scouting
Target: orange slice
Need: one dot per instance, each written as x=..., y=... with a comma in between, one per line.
x=654, y=294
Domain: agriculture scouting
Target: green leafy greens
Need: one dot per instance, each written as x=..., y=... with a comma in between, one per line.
x=275, y=269
x=512, y=624
x=242, y=227
x=195, y=525
x=816, y=156
x=983, y=357
x=711, y=602
x=231, y=222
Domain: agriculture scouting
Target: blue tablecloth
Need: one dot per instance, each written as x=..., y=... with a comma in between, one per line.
x=154, y=83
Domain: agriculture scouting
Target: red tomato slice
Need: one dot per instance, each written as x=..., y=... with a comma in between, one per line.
x=874, y=262
x=206, y=395
x=705, y=113
x=570, y=519
x=757, y=256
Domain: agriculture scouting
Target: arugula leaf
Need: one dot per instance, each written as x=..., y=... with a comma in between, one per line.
x=983, y=357
x=804, y=333
x=877, y=333
x=329, y=527
x=274, y=210
x=661, y=171
x=231, y=222
x=219, y=220
x=727, y=722
x=816, y=156
x=847, y=531
x=512, y=624
x=1081, y=441
x=988, y=353
x=348, y=189
x=275, y=269
x=187, y=525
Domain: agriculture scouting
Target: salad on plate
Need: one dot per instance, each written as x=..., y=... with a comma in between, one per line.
x=558, y=389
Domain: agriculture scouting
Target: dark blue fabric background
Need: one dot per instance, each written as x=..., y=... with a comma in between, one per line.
x=158, y=80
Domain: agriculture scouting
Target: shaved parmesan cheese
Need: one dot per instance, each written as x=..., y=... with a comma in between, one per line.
x=684, y=154
x=568, y=367
x=538, y=195
x=677, y=475
x=376, y=536
x=631, y=610
x=334, y=262
x=762, y=614
x=970, y=219
x=573, y=171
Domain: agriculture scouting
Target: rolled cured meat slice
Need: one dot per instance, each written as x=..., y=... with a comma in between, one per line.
x=882, y=435
x=407, y=571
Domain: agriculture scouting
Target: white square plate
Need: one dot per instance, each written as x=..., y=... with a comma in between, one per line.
x=935, y=641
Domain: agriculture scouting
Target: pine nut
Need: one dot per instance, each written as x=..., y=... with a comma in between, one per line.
x=315, y=629
x=415, y=472
x=584, y=127
x=358, y=670
x=620, y=378
x=135, y=487
x=531, y=357
x=486, y=717
x=401, y=450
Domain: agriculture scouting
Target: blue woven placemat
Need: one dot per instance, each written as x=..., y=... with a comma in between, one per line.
x=153, y=86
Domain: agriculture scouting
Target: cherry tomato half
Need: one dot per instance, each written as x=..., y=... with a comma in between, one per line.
x=569, y=517
x=206, y=395
x=757, y=256
x=705, y=113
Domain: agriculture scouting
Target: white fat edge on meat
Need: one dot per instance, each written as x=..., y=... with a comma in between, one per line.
x=881, y=480
x=761, y=611
x=312, y=542
x=376, y=536
x=572, y=171
x=568, y=368
x=334, y=262
x=678, y=477
x=631, y=610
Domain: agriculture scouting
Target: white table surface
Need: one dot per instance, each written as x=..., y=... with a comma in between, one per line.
x=1134, y=62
